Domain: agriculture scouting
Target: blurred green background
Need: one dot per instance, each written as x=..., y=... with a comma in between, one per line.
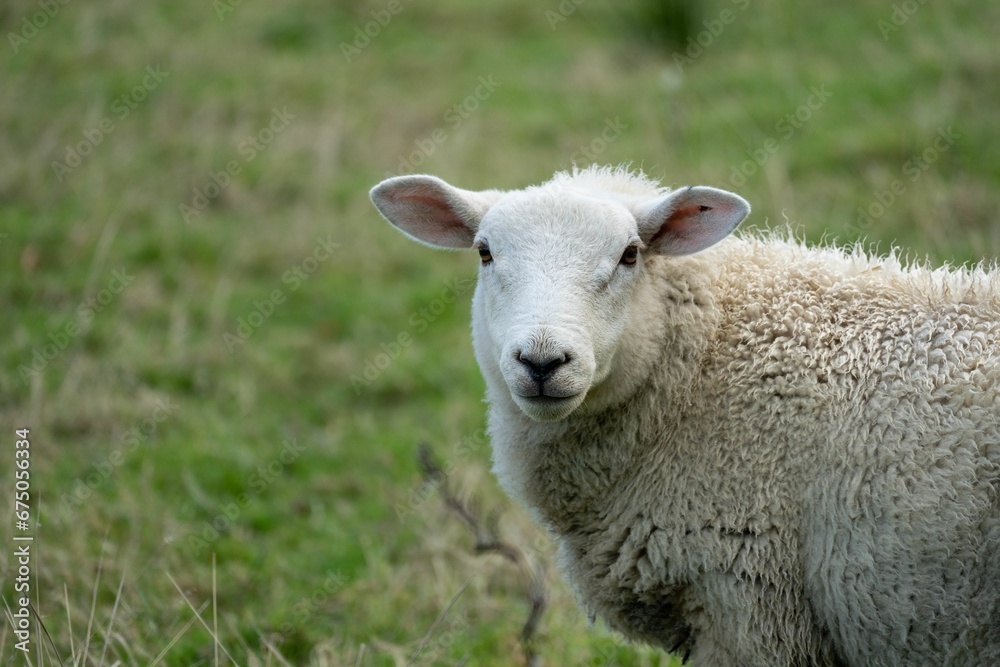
x=221, y=351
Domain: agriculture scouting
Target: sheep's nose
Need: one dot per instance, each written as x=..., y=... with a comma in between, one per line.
x=541, y=367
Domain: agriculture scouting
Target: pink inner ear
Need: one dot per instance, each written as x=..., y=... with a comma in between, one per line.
x=438, y=209
x=428, y=201
x=680, y=222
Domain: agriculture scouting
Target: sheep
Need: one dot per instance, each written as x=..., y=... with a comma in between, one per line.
x=750, y=451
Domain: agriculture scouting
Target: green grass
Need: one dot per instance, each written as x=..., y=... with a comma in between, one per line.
x=311, y=556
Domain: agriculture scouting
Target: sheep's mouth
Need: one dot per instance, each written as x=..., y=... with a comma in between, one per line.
x=537, y=394
x=545, y=399
x=543, y=392
x=546, y=407
x=547, y=402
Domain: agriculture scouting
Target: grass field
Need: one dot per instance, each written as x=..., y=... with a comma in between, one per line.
x=226, y=360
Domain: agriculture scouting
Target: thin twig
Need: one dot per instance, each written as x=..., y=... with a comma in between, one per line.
x=489, y=542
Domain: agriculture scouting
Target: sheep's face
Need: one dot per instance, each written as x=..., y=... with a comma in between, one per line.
x=558, y=270
x=553, y=295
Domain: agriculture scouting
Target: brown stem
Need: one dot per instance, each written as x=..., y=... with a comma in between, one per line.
x=488, y=542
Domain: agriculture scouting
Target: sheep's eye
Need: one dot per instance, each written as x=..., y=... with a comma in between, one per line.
x=630, y=255
x=484, y=254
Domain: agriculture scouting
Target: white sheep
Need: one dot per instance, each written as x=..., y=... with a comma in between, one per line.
x=751, y=452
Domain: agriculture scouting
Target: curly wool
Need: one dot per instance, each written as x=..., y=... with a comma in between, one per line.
x=809, y=473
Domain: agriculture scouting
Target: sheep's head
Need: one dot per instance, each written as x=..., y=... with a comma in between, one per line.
x=559, y=266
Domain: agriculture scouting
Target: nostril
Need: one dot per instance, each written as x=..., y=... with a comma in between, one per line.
x=542, y=367
x=550, y=365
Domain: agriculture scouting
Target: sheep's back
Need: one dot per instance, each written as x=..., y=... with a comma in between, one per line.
x=884, y=383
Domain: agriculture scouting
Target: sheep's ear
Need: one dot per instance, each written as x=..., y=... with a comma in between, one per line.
x=427, y=209
x=689, y=220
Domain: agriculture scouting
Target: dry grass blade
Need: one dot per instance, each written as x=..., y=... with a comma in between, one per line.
x=69, y=623
x=488, y=541
x=176, y=638
x=215, y=613
x=39, y=626
x=444, y=612
x=274, y=652
x=111, y=621
x=197, y=614
x=10, y=619
x=93, y=602
x=45, y=632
